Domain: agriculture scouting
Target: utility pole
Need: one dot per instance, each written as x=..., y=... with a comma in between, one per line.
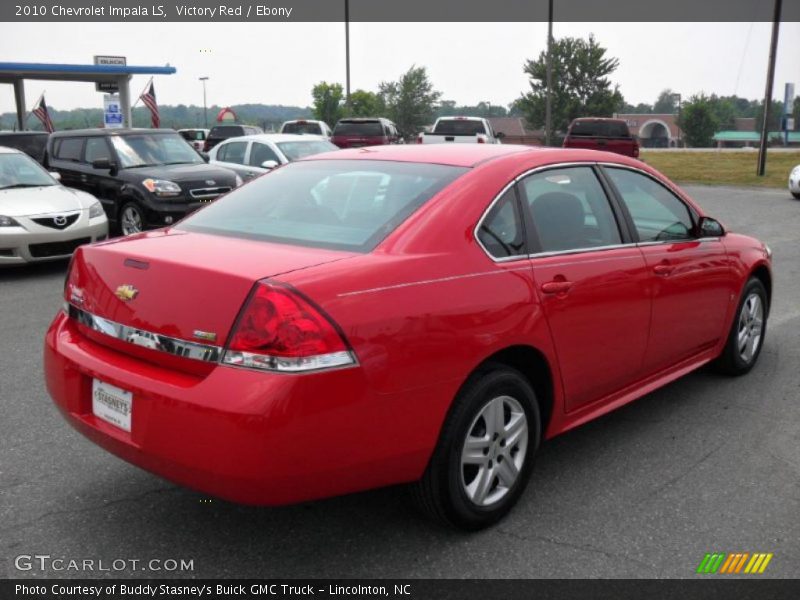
x=548, y=106
x=677, y=98
x=205, y=107
x=773, y=51
x=347, y=48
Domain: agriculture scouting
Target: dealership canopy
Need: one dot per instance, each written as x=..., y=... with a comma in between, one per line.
x=117, y=75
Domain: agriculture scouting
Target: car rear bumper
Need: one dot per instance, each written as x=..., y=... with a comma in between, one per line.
x=19, y=246
x=238, y=434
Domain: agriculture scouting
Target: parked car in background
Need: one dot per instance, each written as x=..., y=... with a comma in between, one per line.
x=196, y=137
x=794, y=182
x=223, y=132
x=144, y=178
x=307, y=127
x=610, y=135
x=40, y=219
x=253, y=155
x=460, y=130
x=358, y=132
x=32, y=143
x=295, y=340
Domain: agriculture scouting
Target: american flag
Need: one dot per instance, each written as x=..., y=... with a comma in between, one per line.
x=149, y=99
x=43, y=115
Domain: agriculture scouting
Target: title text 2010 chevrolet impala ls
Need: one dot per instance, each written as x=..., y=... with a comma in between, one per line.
x=375, y=316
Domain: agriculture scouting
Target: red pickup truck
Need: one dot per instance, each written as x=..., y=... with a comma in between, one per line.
x=611, y=135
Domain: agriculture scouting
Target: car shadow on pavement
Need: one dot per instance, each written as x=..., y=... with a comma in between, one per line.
x=34, y=270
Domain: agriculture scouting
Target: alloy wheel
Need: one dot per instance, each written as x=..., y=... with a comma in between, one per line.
x=131, y=220
x=494, y=451
x=751, y=324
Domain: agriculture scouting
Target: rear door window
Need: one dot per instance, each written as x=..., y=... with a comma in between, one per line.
x=501, y=232
x=569, y=210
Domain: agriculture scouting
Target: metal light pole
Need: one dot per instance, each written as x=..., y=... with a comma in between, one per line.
x=205, y=108
x=347, y=48
x=548, y=106
x=677, y=97
x=773, y=50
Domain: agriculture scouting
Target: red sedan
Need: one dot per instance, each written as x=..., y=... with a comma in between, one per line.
x=423, y=314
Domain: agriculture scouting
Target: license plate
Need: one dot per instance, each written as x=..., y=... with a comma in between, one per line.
x=112, y=404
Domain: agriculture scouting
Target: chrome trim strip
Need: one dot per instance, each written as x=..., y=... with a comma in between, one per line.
x=144, y=338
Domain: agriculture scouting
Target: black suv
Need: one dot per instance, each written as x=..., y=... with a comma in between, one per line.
x=32, y=143
x=220, y=133
x=144, y=178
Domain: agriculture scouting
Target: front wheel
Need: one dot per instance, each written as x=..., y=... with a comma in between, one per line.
x=485, y=453
x=796, y=195
x=131, y=219
x=746, y=336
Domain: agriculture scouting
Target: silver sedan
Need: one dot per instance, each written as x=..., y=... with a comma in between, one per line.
x=40, y=219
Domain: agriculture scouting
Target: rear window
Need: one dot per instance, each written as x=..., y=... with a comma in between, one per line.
x=193, y=135
x=458, y=127
x=338, y=204
x=302, y=127
x=226, y=131
x=362, y=128
x=607, y=129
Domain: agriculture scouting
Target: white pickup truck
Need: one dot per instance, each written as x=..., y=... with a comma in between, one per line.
x=460, y=130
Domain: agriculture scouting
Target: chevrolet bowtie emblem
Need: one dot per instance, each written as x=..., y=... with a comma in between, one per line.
x=126, y=292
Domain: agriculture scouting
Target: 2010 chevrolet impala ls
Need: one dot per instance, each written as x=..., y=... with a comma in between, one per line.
x=375, y=316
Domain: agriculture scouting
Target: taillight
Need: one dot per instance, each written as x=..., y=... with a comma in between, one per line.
x=280, y=330
x=419, y=138
x=635, y=150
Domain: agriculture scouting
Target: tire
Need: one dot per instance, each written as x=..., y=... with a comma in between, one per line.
x=749, y=327
x=450, y=490
x=796, y=195
x=130, y=214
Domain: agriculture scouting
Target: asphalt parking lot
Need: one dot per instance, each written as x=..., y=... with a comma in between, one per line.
x=705, y=464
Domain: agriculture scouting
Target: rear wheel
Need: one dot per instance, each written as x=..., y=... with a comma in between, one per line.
x=796, y=195
x=747, y=332
x=485, y=453
x=131, y=219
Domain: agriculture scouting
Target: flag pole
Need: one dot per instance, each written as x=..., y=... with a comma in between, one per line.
x=30, y=112
x=139, y=97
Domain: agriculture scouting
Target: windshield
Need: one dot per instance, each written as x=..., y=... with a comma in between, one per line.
x=297, y=150
x=302, y=127
x=339, y=204
x=151, y=149
x=362, y=128
x=20, y=170
x=459, y=127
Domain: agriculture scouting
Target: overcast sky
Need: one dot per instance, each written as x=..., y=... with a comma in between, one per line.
x=278, y=63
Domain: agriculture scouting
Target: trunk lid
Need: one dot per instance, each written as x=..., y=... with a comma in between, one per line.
x=184, y=285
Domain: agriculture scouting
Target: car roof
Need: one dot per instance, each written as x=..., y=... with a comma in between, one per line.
x=7, y=150
x=471, y=155
x=277, y=137
x=22, y=133
x=108, y=132
x=599, y=119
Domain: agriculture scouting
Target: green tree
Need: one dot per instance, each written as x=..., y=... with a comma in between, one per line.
x=328, y=98
x=665, y=103
x=411, y=101
x=364, y=104
x=724, y=111
x=581, y=87
x=698, y=121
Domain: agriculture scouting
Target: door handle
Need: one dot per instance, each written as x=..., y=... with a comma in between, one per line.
x=663, y=269
x=556, y=287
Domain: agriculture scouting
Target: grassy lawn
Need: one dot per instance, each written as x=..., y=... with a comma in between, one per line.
x=723, y=168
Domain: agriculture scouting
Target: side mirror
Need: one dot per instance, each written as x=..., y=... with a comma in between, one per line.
x=103, y=164
x=55, y=175
x=269, y=164
x=709, y=227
